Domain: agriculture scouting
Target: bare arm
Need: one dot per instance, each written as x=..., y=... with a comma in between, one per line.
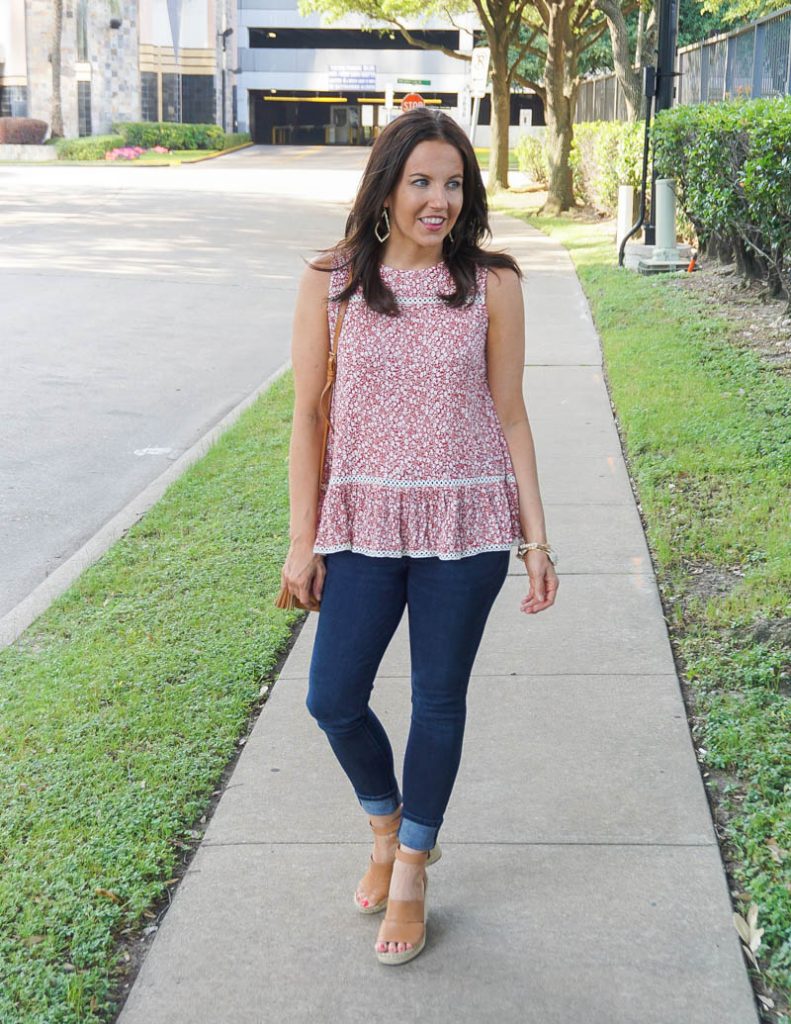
x=303, y=572
x=505, y=356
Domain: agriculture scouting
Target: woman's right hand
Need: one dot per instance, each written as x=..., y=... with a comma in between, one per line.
x=303, y=573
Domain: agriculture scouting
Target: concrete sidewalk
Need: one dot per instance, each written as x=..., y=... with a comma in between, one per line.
x=582, y=880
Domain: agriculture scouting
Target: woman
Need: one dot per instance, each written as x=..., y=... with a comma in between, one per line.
x=429, y=479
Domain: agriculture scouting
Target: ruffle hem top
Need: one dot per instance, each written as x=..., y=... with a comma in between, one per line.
x=416, y=462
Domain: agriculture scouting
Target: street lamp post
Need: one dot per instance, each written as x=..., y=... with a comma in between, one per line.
x=665, y=74
x=224, y=36
x=234, y=126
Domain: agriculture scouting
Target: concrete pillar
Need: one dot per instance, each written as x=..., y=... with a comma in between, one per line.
x=628, y=212
x=665, y=220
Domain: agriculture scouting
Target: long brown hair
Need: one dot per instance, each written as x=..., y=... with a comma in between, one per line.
x=360, y=249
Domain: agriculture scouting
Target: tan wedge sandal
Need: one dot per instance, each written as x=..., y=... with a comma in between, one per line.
x=376, y=879
x=405, y=920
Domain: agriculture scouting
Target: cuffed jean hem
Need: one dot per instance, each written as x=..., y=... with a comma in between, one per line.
x=416, y=836
x=384, y=805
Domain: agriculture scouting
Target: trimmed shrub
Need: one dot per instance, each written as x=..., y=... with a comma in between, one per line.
x=604, y=155
x=92, y=147
x=171, y=135
x=531, y=157
x=22, y=131
x=732, y=165
x=236, y=139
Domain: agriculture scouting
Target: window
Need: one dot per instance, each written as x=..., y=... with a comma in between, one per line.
x=82, y=29
x=148, y=96
x=345, y=38
x=197, y=94
x=84, y=108
x=13, y=101
x=171, y=98
x=185, y=98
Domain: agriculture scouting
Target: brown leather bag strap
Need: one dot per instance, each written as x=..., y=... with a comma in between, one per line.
x=332, y=362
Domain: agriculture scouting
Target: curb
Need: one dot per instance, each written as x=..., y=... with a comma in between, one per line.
x=17, y=620
x=130, y=163
x=216, y=156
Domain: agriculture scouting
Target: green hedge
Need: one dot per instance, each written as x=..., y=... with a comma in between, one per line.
x=531, y=157
x=236, y=139
x=178, y=136
x=92, y=147
x=732, y=165
x=171, y=135
x=604, y=155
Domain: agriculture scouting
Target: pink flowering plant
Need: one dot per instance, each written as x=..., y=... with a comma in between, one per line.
x=132, y=152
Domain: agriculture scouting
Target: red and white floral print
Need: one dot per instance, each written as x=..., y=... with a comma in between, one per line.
x=417, y=463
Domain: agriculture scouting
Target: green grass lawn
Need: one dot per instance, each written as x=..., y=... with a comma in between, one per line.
x=482, y=152
x=173, y=159
x=147, y=160
x=706, y=428
x=120, y=708
x=181, y=156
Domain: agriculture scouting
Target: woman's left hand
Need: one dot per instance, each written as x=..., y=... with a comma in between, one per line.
x=543, y=582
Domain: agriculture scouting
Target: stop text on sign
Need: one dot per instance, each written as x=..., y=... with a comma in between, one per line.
x=411, y=101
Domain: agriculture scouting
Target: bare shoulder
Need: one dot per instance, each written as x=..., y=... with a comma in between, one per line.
x=315, y=281
x=502, y=279
x=322, y=261
x=503, y=289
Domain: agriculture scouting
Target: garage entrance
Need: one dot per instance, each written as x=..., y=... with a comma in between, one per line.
x=323, y=119
x=301, y=119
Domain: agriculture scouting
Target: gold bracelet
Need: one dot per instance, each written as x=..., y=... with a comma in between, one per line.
x=524, y=547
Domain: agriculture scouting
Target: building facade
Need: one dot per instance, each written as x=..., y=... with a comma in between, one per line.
x=249, y=65
x=121, y=60
x=305, y=79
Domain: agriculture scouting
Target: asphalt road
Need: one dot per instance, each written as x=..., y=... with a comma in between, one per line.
x=137, y=307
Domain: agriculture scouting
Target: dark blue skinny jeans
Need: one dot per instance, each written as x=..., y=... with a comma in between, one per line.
x=362, y=604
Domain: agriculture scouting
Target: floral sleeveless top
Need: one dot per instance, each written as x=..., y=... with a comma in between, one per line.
x=416, y=462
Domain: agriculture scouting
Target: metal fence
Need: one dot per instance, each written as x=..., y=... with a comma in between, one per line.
x=751, y=61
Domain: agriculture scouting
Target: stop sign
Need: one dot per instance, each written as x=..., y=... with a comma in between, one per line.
x=411, y=101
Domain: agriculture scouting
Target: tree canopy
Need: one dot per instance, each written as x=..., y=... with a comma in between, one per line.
x=734, y=13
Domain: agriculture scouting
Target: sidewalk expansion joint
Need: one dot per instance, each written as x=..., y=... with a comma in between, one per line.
x=626, y=503
x=520, y=675
x=600, y=572
x=462, y=842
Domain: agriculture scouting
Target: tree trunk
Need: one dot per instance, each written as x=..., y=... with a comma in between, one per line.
x=559, y=111
x=638, y=46
x=56, y=127
x=649, y=40
x=719, y=247
x=629, y=79
x=501, y=103
x=748, y=263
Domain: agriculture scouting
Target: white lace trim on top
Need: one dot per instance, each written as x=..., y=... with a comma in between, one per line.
x=443, y=555
x=385, y=481
x=422, y=300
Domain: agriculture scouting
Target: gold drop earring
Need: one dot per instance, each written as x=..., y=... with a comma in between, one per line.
x=383, y=238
